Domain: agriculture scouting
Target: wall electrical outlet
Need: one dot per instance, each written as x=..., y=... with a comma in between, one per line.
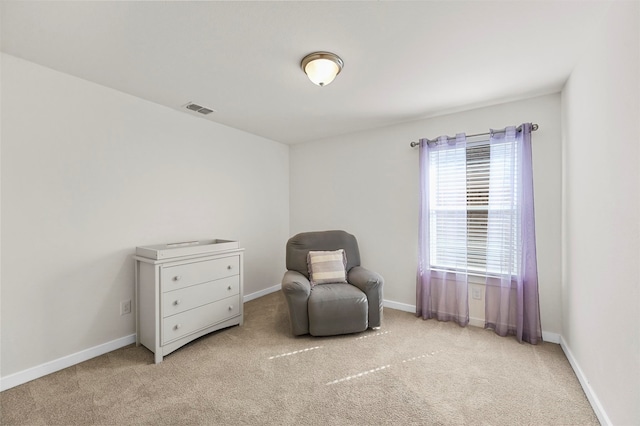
x=125, y=307
x=476, y=293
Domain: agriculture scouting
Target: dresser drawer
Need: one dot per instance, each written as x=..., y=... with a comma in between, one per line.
x=176, y=301
x=181, y=324
x=175, y=277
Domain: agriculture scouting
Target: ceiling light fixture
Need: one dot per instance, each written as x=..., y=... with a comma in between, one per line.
x=322, y=67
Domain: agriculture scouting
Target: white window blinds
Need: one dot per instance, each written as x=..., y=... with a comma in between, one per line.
x=473, y=214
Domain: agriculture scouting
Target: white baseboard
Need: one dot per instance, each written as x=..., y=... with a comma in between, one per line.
x=260, y=293
x=15, y=379
x=550, y=337
x=476, y=322
x=399, y=306
x=603, y=418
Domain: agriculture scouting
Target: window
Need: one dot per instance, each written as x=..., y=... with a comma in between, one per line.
x=472, y=206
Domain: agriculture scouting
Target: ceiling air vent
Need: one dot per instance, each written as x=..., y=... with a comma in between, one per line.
x=199, y=108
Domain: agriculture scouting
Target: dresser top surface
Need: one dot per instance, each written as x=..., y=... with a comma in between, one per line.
x=186, y=248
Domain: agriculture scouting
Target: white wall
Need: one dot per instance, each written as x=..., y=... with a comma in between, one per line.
x=88, y=174
x=367, y=184
x=601, y=245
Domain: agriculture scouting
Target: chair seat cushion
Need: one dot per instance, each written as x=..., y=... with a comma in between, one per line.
x=337, y=309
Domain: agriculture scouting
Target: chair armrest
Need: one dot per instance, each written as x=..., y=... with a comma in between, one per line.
x=297, y=288
x=371, y=284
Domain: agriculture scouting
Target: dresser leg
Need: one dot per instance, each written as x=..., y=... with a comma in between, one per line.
x=158, y=357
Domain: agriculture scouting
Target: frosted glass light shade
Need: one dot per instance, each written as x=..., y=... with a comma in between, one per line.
x=322, y=67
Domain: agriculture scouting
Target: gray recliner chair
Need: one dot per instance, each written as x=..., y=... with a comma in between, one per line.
x=332, y=308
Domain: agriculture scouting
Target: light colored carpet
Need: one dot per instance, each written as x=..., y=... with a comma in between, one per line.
x=409, y=372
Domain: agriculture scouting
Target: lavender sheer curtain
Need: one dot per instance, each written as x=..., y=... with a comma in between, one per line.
x=511, y=295
x=442, y=294
x=446, y=248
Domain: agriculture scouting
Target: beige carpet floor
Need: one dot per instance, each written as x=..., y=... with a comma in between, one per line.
x=410, y=372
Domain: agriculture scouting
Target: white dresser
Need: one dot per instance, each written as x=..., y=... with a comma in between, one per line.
x=186, y=290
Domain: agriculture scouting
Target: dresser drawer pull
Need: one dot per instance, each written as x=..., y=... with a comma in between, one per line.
x=177, y=278
x=231, y=308
x=177, y=302
x=177, y=326
x=229, y=288
x=229, y=267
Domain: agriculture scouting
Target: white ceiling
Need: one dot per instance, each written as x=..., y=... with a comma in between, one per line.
x=403, y=60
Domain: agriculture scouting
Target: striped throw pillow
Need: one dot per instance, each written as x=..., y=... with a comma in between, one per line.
x=327, y=267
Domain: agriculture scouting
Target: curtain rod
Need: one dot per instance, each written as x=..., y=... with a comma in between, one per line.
x=534, y=127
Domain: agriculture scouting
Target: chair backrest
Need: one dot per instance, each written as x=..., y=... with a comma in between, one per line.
x=299, y=246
